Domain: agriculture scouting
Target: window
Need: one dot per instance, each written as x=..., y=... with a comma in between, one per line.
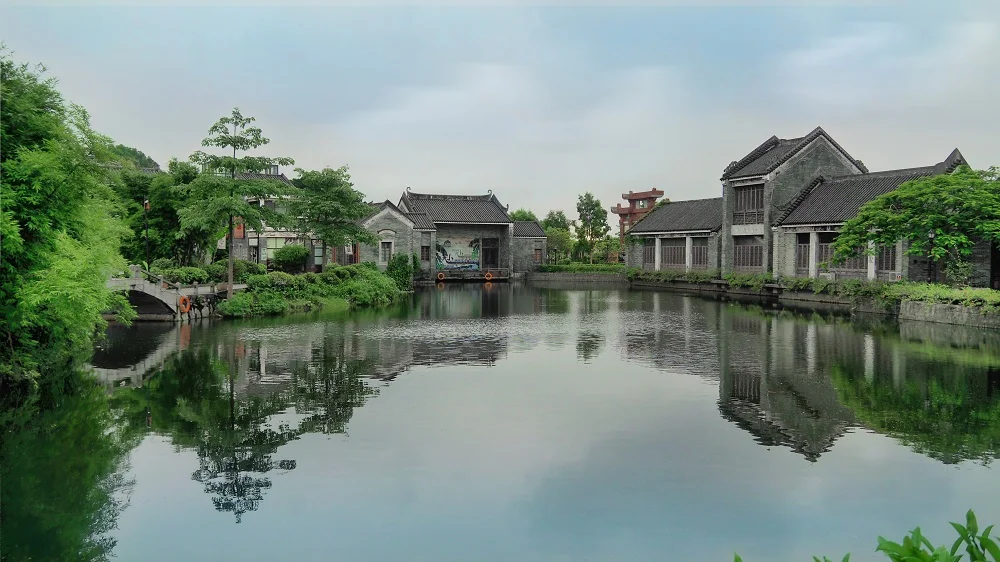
x=672, y=253
x=748, y=253
x=649, y=251
x=825, y=254
x=385, y=253
x=643, y=203
x=885, y=260
x=317, y=252
x=802, y=252
x=272, y=245
x=538, y=255
x=425, y=253
x=749, y=207
x=699, y=252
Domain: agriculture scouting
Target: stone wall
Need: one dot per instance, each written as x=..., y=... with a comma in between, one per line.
x=524, y=253
x=948, y=314
x=616, y=279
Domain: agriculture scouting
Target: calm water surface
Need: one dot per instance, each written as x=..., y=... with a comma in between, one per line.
x=524, y=423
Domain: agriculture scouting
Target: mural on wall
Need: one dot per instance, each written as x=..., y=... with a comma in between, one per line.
x=458, y=254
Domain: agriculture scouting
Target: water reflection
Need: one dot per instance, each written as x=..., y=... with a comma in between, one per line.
x=250, y=408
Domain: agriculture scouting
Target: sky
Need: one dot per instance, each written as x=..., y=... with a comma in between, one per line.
x=537, y=104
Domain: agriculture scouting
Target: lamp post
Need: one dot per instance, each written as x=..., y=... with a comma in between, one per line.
x=145, y=219
x=930, y=257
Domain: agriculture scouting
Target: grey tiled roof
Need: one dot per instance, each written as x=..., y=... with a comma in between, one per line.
x=258, y=176
x=528, y=229
x=456, y=208
x=774, y=152
x=838, y=199
x=677, y=216
x=421, y=221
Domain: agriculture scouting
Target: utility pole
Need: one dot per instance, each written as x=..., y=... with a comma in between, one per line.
x=145, y=219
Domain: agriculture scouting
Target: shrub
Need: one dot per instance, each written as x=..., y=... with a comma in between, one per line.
x=185, y=275
x=416, y=263
x=256, y=303
x=958, y=272
x=693, y=276
x=400, y=270
x=160, y=265
x=216, y=272
x=752, y=281
x=291, y=258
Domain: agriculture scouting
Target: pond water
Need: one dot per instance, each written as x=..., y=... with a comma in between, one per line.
x=526, y=423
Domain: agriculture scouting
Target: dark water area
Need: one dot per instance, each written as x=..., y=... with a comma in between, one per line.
x=516, y=423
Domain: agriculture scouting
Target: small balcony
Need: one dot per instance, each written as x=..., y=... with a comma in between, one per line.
x=748, y=217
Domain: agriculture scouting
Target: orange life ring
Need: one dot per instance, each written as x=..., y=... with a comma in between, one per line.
x=184, y=304
x=441, y=276
x=488, y=276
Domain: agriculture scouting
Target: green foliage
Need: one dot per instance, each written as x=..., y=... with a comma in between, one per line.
x=357, y=285
x=60, y=233
x=981, y=547
x=941, y=216
x=215, y=201
x=416, y=264
x=523, y=215
x=556, y=219
x=958, y=271
x=608, y=247
x=752, y=281
x=329, y=207
x=291, y=258
x=668, y=275
x=133, y=156
x=160, y=265
x=559, y=241
x=583, y=268
x=186, y=275
x=400, y=270
x=593, y=224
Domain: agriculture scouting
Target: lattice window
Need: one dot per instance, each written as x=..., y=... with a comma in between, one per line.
x=425, y=253
x=699, y=253
x=672, y=253
x=748, y=253
x=749, y=205
x=885, y=260
x=649, y=251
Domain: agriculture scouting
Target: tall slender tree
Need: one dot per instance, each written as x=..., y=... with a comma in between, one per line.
x=218, y=200
x=593, y=222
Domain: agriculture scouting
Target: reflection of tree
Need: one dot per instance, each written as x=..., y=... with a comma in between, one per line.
x=330, y=389
x=949, y=416
x=194, y=400
x=62, y=479
x=588, y=344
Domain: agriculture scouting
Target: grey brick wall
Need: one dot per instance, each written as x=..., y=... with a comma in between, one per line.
x=787, y=182
x=633, y=254
x=405, y=240
x=981, y=260
x=524, y=253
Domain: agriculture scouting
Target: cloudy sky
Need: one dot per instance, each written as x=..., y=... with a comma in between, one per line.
x=537, y=104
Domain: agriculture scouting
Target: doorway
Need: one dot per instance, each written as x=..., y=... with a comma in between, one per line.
x=491, y=253
x=995, y=267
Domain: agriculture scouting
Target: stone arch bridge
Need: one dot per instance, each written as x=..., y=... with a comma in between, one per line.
x=157, y=299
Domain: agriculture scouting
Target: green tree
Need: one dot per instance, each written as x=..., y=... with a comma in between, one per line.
x=593, y=224
x=607, y=247
x=523, y=215
x=217, y=200
x=329, y=208
x=60, y=236
x=559, y=241
x=941, y=217
x=556, y=219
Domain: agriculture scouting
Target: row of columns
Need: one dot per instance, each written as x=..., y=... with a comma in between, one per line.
x=688, y=250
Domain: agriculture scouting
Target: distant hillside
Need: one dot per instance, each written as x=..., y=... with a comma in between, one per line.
x=135, y=156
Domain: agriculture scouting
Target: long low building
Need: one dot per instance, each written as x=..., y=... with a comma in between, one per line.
x=782, y=207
